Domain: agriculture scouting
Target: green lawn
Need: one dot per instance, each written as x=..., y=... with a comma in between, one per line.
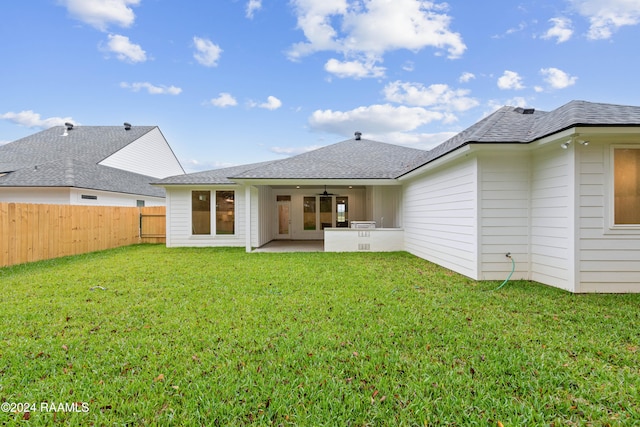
x=145, y=336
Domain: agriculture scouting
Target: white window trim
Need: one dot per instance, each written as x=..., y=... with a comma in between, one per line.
x=213, y=212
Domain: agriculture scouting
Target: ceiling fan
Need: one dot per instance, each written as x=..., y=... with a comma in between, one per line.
x=325, y=193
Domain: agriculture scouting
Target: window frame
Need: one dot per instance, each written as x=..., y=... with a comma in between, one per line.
x=213, y=213
x=614, y=228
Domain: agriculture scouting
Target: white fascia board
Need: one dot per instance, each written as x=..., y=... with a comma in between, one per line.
x=315, y=181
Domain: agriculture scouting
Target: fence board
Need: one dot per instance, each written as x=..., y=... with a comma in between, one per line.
x=33, y=232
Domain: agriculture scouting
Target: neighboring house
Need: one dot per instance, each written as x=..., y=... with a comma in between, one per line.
x=559, y=191
x=87, y=165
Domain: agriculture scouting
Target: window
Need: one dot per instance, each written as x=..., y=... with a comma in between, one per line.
x=201, y=212
x=309, y=213
x=225, y=212
x=140, y=203
x=325, y=212
x=342, y=211
x=88, y=197
x=626, y=183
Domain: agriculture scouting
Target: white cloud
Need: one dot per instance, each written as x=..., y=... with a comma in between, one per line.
x=355, y=69
x=510, y=80
x=252, y=6
x=224, y=99
x=101, y=13
x=423, y=141
x=561, y=30
x=370, y=29
x=30, y=119
x=606, y=16
x=408, y=66
x=207, y=53
x=272, y=103
x=438, y=96
x=557, y=79
x=517, y=101
x=466, y=77
x=375, y=119
x=152, y=89
x=124, y=49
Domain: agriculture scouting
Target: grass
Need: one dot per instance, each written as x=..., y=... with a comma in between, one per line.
x=147, y=336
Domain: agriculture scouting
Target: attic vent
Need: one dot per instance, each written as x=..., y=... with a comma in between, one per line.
x=127, y=126
x=69, y=125
x=358, y=136
x=521, y=110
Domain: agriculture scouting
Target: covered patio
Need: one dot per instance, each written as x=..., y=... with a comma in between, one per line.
x=292, y=246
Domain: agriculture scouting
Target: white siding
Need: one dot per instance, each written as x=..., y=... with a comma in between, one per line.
x=609, y=259
x=51, y=196
x=73, y=196
x=552, y=217
x=504, y=219
x=262, y=216
x=149, y=155
x=179, y=219
x=107, y=198
x=440, y=217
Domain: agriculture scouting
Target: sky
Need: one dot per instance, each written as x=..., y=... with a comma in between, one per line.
x=232, y=82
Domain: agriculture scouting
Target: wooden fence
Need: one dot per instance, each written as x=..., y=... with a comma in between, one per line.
x=33, y=232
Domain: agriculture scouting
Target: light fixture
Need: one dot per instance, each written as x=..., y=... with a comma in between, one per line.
x=565, y=145
x=585, y=143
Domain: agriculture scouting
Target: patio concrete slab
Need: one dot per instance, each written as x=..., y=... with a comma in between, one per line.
x=292, y=246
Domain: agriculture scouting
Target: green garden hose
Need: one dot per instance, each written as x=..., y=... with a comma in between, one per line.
x=513, y=267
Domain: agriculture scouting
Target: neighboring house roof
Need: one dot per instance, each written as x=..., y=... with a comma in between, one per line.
x=366, y=159
x=58, y=157
x=80, y=174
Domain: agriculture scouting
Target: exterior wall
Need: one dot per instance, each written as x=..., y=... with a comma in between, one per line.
x=73, y=196
x=149, y=155
x=51, y=196
x=179, y=229
x=553, y=217
x=363, y=240
x=106, y=198
x=262, y=216
x=440, y=210
x=608, y=257
x=504, y=214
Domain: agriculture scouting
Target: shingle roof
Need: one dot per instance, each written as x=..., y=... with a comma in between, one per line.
x=516, y=125
x=210, y=177
x=79, y=174
x=52, y=159
x=355, y=159
x=366, y=159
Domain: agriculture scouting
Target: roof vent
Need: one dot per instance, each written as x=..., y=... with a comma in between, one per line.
x=127, y=126
x=358, y=136
x=69, y=125
x=521, y=110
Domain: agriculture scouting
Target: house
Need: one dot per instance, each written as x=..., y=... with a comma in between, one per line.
x=87, y=165
x=557, y=191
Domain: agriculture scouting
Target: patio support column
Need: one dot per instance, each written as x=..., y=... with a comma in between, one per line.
x=247, y=217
